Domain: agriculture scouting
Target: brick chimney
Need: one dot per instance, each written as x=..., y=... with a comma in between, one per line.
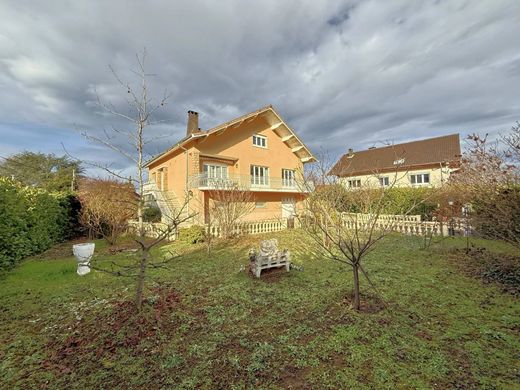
x=193, y=123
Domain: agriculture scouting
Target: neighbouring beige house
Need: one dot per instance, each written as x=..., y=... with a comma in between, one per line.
x=427, y=162
x=258, y=152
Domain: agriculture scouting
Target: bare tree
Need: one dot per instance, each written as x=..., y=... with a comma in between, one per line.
x=489, y=181
x=106, y=207
x=346, y=224
x=140, y=116
x=512, y=144
x=228, y=205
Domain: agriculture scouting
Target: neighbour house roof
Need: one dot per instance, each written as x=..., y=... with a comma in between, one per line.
x=278, y=125
x=424, y=153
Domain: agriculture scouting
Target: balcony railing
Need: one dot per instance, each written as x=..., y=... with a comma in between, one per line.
x=204, y=181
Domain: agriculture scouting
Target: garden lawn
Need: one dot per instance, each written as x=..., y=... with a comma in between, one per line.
x=206, y=325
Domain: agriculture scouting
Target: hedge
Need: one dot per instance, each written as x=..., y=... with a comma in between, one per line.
x=398, y=200
x=31, y=220
x=497, y=215
x=420, y=200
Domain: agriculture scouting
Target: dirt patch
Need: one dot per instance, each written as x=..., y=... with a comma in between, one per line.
x=498, y=268
x=424, y=335
x=271, y=275
x=127, y=246
x=369, y=304
x=60, y=250
x=460, y=375
x=294, y=378
x=98, y=337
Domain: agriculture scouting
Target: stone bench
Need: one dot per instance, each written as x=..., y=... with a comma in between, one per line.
x=268, y=257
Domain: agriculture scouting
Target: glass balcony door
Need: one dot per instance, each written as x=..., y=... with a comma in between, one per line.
x=259, y=176
x=288, y=178
x=214, y=175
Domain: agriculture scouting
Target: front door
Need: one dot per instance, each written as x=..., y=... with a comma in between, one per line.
x=288, y=208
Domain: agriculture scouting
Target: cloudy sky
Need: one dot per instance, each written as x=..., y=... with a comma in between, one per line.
x=342, y=73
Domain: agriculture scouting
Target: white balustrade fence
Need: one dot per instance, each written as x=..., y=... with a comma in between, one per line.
x=405, y=224
x=152, y=229
x=408, y=225
x=251, y=227
x=383, y=217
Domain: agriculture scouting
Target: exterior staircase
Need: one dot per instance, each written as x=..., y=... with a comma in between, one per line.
x=168, y=203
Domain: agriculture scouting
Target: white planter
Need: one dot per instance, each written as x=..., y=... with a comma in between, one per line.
x=83, y=253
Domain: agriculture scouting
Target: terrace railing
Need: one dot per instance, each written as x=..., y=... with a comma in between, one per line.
x=204, y=181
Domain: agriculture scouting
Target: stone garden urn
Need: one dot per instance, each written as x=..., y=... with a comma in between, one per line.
x=83, y=253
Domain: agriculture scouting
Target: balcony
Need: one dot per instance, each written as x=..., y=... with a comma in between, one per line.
x=203, y=181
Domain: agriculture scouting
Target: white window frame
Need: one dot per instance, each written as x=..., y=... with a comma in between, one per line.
x=211, y=169
x=354, y=181
x=259, y=176
x=260, y=141
x=288, y=178
x=422, y=175
x=384, y=181
x=260, y=204
x=215, y=175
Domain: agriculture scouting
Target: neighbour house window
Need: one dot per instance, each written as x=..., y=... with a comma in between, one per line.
x=420, y=178
x=288, y=178
x=354, y=183
x=260, y=141
x=259, y=176
x=260, y=205
x=384, y=181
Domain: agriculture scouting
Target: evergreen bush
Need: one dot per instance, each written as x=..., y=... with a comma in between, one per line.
x=191, y=235
x=31, y=220
x=152, y=214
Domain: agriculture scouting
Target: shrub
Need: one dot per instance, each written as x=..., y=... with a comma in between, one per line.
x=152, y=214
x=72, y=209
x=191, y=235
x=106, y=207
x=403, y=199
x=31, y=220
x=497, y=215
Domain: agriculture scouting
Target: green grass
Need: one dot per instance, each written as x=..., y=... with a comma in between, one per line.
x=224, y=329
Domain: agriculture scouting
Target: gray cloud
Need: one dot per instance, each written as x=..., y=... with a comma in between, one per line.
x=343, y=73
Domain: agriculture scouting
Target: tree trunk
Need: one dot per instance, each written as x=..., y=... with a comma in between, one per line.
x=140, y=279
x=355, y=270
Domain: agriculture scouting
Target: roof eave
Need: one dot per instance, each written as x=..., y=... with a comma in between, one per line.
x=174, y=147
x=311, y=157
x=222, y=127
x=400, y=169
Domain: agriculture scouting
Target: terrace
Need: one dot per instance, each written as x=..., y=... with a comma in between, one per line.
x=205, y=181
